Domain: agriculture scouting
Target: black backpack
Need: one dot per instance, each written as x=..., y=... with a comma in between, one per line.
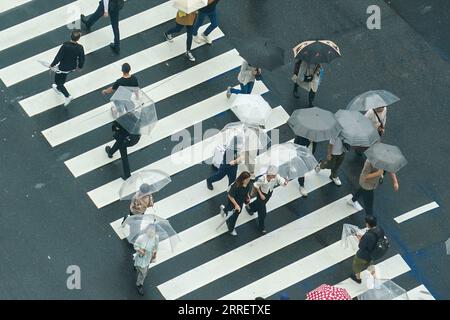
x=382, y=245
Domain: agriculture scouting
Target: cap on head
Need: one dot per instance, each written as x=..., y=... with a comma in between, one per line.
x=272, y=170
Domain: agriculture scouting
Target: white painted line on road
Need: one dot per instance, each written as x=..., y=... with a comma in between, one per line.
x=91, y=42
x=256, y=249
x=419, y=293
x=418, y=211
x=8, y=5
x=178, y=161
x=44, y=23
x=106, y=75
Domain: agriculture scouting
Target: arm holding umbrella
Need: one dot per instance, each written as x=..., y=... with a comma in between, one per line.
x=237, y=208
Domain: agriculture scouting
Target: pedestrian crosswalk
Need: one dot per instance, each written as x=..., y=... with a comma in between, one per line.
x=8, y=5
x=213, y=108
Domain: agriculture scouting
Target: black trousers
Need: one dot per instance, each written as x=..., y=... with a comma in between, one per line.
x=259, y=206
x=301, y=180
x=367, y=196
x=113, y=17
x=224, y=170
x=60, y=80
x=122, y=147
x=311, y=94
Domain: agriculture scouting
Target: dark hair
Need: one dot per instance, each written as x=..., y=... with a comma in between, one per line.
x=76, y=35
x=126, y=68
x=144, y=188
x=243, y=176
x=371, y=221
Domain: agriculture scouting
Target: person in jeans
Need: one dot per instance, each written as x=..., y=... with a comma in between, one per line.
x=335, y=157
x=304, y=142
x=246, y=78
x=146, y=250
x=367, y=243
x=264, y=187
x=369, y=180
x=238, y=194
x=210, y=12
x=183, y=20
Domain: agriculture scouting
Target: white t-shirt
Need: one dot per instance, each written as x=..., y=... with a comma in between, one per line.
x=370, y=114
x=268, y=186
x=337, y=146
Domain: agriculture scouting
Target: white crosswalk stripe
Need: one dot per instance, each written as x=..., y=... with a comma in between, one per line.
x=181, y=281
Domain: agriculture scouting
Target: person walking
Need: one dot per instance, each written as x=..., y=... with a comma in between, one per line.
x=124, y=139
x=369, y=180
x=246, y=77
x=367, y=243
x=127, y=80
x=378, y=118
x=228, y=167
x=238, y=194
x=183, y=20
x=141, y=201
x=146, y=251
x=264, y=188
x=106, y=8
x=70, y=57
x=335, y=157
x=210, y=12
x=306, y=143
x=308, y=77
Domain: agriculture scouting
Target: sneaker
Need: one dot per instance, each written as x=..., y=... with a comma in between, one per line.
x=209, y=185
x=355, y=204
x=115, y=49
x=190, y=56
x=208, y=40
x=337, y=181
x=233, y=233
x=84, y=21
x=263, y=231
x=55, y=87
x=67, y=100
x=228, y=92
x=317, y=168
x=222, y=210
x=168, y=37
x=354, y=278
x=108, y=151
x=140, y=290
x=250, y=212
x=303, y=191
x=197, y=39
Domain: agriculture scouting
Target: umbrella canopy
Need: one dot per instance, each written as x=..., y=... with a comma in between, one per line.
x=293, y=161
x=243, y=137
x=153, y=180
x=134, y=110
x=317, y=51
x=145, y=227
x=189, y=6
x=387, y=290
x=251, y=109
x=447, y=246
x=258, y=52
x=372, y=100
x=357, y=130
x=386, y=157
x=327, y=292
x=315, y=124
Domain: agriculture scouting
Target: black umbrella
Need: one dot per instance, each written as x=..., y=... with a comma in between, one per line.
x=258, y=52
x=317, y=51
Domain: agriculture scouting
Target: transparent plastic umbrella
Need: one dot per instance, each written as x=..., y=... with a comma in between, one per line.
x=251, y=109
x=386, y=157
x=315, y=124
x=134, y=110
x=243, y=137
x=152, y=180
x=372, y=100
x=357, y=130
x=189, y=6
x=144, y=227
x=385, y=290
x=349, y=233
x=293, y=161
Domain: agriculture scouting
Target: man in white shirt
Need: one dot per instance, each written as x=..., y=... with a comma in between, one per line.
x=378, y=118
x=335, y=157
x=264, y=188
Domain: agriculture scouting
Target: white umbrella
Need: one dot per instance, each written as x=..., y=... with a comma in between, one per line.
x=243, y=137
x=251, y=109
x=153, y=180
x=189, y=6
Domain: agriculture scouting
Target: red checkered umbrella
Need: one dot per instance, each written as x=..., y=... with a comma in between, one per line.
x=327, y=292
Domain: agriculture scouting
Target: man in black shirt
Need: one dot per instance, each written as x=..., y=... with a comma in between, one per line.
x=70, y=57
x=127, y=80
x=367, y=243
x=304, y=142
x=210, y=12
x=107, y=8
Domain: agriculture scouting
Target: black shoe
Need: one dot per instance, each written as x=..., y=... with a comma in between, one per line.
x=108, y=151
x=115, y=49
x=249, y=211
x=126, y=176
x=354, y=278
x=209, y=185
x=295, y=93
x=84, y=21
x=140, y=290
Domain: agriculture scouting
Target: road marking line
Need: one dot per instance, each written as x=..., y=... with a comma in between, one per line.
x=414, y=213
x=8, y=5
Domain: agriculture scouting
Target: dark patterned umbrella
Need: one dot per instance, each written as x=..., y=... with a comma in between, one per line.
x=317, y=51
